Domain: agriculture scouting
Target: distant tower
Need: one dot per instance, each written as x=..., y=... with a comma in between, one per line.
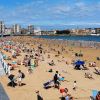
x=2, y=27
x=17, y=29
x=31, y=29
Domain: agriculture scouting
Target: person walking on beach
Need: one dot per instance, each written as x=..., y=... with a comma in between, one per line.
x=56, y=82
x=74, y=85
x=39, y=97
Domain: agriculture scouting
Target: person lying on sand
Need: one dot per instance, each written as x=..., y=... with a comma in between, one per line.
x=60, y=78
x=88, y=75
x=97, y=71
x=92, y=64
x=51, y=63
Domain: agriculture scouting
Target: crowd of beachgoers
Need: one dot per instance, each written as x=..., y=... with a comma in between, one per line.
x=52, y=69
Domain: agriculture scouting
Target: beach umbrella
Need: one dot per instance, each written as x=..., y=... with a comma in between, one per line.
x=79, y=62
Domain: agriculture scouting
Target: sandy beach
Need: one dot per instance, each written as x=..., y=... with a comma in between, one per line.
x=63, y=57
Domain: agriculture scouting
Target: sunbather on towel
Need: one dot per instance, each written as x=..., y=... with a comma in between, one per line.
x=88, y=75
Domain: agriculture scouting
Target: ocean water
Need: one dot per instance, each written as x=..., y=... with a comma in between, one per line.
x=73, y=38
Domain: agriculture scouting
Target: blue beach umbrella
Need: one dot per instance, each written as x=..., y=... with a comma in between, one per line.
x=79, y=62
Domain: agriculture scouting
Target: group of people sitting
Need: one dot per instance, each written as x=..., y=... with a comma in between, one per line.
x=65, y=95
x=92, y=64
x=57, y=79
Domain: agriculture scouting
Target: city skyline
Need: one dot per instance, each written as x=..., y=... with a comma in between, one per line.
x=50, y=12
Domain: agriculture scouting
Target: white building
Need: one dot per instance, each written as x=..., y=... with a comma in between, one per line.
x=8, y=31
x=31, y=29
x=2, y=27
x=37, y=31
x=17, y=29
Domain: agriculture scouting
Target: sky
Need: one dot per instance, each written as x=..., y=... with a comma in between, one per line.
x=50, y=12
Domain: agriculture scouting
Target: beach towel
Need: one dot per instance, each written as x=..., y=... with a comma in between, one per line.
x=61, y=79
x=47, y=84
x=94, y=93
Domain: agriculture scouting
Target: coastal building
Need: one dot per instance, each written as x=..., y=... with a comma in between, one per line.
x=47, y=32
x=8, y=31
x=97, y=30
x=31, y=29
x=16, y=29
x=37, y=31
x=24, y=31
x=74, y=31
x=2, y=27
x=86, y=31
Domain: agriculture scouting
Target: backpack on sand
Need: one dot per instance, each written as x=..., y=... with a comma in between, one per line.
x=23, y=75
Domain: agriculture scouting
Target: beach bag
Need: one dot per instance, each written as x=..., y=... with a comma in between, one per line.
x=23, y=75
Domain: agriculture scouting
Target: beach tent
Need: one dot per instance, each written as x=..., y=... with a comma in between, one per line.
x=79, y=62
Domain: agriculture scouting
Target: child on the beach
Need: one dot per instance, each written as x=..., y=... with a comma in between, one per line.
x=74, y=85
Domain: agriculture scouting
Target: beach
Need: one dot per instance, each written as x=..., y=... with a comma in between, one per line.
x=63, y=57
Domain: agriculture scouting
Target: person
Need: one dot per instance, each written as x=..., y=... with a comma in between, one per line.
x=98, y=96
x=19, y=77
x=74, y=86
x=68, y=97
x=94, y=64
x=88, y=75
x=60, y=78
x=51, y=63
x=9, y=68
x=64, y=91
x=56, y=82
x=39, y=97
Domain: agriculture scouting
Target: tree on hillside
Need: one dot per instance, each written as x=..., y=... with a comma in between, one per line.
x=63, y=32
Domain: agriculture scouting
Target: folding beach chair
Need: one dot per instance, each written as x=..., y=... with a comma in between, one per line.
x=94, y=93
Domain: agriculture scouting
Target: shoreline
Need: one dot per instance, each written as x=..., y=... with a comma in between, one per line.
x=78, y=43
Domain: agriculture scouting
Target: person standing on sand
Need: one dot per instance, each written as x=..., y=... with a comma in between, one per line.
x=39, y=97
x=56, y=82
x=19, y=78
x=74, y=86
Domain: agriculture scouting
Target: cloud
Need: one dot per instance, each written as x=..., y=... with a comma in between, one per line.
x=42, y=11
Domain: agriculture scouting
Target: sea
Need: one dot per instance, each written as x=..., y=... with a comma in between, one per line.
x=72, y=38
